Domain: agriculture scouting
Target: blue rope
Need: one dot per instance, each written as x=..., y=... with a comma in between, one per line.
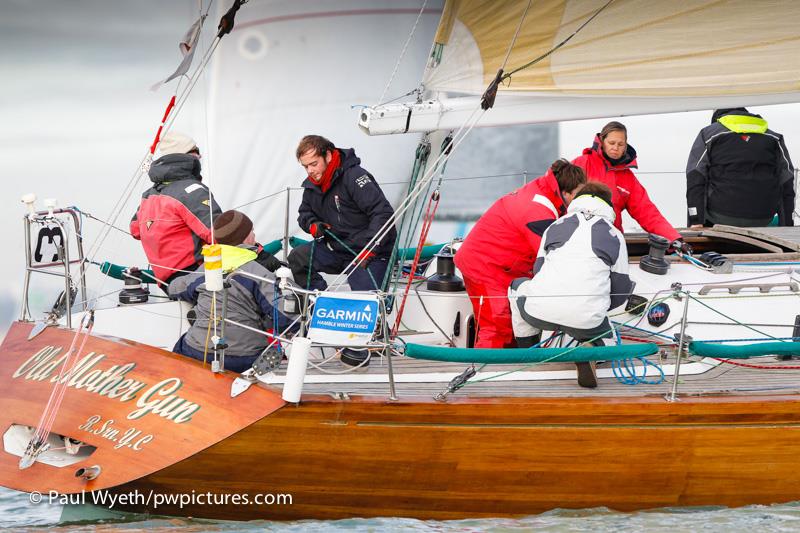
x=275, y=312
x=625, y=371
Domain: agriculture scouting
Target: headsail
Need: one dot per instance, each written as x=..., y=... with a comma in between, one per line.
x=635, y=57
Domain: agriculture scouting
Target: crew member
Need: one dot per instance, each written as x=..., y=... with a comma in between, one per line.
x=502, y=246
x=343, y=208
x=611, y=160
x=174, y=217
x=739, y=173
x=250, y=302
x=581, y=272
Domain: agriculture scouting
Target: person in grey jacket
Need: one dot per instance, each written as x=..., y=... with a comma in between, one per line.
x=580, y=273
x=251, y=302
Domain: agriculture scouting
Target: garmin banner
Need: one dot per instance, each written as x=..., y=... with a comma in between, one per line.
x=344, y=319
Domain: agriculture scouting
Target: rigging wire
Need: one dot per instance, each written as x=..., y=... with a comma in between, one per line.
x=403, y=52
x=462, y=133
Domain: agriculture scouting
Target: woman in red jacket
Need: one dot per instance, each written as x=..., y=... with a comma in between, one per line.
x=503, y=244
x=610, y=160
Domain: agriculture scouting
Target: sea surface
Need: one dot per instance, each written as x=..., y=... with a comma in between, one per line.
x=17, y=513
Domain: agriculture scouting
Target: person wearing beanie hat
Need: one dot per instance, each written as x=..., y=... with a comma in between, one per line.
x=177, y=143
x=250, y=302
x=173, y=220
x=233, y=228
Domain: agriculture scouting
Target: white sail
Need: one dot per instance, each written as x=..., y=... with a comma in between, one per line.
x=633, y=57
x=294, y=68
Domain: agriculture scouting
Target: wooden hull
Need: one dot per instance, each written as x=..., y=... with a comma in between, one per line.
x=490, y=458
x=365, y=456
x=141, y=408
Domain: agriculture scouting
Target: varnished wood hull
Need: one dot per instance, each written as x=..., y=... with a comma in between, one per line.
x=501, y=457
x=364, y=456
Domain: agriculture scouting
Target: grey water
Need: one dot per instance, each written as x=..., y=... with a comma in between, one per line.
x=18, y=513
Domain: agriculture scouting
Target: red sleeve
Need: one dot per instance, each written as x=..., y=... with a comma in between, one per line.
x=645, y=212
x=134, y=227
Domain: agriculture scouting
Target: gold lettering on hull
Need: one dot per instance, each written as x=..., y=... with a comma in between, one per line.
x=131, y=438
x=112, y=382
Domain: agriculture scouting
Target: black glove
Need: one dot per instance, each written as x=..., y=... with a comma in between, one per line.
x=683, y=247
x=269, y=261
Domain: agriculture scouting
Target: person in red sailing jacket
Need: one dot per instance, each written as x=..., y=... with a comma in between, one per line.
x=610, y=160
x=173, y=220
x=502, y=246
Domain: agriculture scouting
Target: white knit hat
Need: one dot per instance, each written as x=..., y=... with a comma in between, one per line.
x=176, y=143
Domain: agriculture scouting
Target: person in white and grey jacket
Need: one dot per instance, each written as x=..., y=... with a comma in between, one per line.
x=580, y=273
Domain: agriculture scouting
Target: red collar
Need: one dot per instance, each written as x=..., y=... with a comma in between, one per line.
x=324, y=182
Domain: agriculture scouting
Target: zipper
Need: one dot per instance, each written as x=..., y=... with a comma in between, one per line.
x=338, y=207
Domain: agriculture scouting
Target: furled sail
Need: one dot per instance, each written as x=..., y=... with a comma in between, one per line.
x=633, y=57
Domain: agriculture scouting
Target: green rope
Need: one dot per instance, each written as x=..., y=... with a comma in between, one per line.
x=310, y=264
x=729, y=317
x=355, y=254
x=420, y=160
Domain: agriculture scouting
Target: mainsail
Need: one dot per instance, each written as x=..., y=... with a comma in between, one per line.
x=633, y=57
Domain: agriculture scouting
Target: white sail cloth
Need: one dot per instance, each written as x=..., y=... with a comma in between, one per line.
x=689, y=48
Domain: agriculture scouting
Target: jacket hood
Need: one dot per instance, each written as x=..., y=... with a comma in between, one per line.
x=548, y=185
x=349, y=159
x=592, y=205
x=719, y=113
x=628, y=160
x=174, y=167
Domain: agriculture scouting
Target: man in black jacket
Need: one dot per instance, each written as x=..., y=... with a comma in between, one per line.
x=739, y=173
x=343, y=208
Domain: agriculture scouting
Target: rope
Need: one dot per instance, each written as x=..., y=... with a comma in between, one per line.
x=758, y=367
x=356, y=254
x=403, y=52
x=53, y=404
x=466, y=128
x=310, y=264
x=516, y=34
x=730, y=318
x=430, y=212
x=556, y=47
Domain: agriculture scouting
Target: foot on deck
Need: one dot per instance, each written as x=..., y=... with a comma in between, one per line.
x=586, y=375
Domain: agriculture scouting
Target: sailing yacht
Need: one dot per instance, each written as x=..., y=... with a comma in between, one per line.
x=696, y=410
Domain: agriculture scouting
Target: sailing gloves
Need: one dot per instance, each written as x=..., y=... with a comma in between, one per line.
x=269, y=261
x=317, y=229
x=682, y=247
x=364, y=258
